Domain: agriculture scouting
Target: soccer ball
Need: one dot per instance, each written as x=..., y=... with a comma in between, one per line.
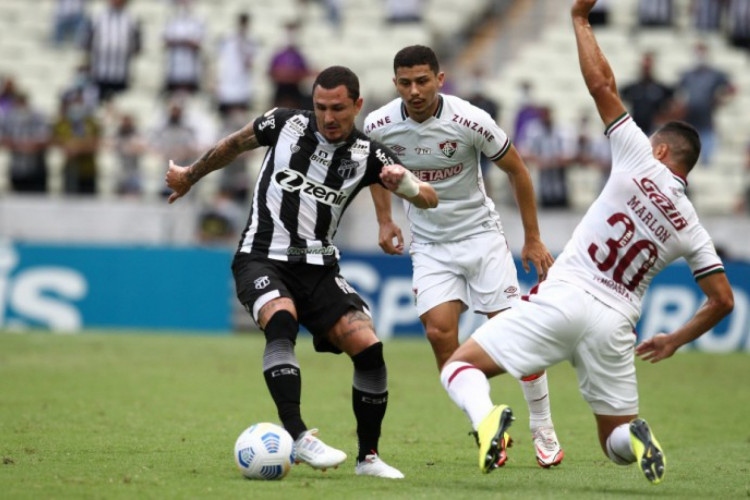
x=264, y=451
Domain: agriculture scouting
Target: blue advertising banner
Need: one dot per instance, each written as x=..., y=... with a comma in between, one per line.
x=672, y=298
x=69, y=288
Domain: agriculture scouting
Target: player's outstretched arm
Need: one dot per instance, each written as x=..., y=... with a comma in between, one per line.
x=181, y=179
x=596, y=71
x=720, y=303
x=402, y=182
x=389, y=230
x=520, y=181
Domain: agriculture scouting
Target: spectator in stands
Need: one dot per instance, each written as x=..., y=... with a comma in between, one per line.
x=593, y=149
x=599, y=15
x=706, y=15
x=129, y=145
x=235, y=55
x=78, y=133
x=527, y=116
x=113, y=38
x=550, y=151
x=333, y=12
x=404, y=11
x=183, y=37
x=648, y=98
x=289, y=68
x=175, y=140
x=739, y=24
x=234, y=180
x=8, y=96
x=85, y=85
x=26, y=135
x=69, y=21
x=220, y=221
x=478, y=97
x=702, y=90
x=655, y=13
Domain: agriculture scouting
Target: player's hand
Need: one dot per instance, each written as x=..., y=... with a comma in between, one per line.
x=537, y=253
x=177, y=181
x=658, y=347
x=581, y=8
x=391, y=176
x=389, y=231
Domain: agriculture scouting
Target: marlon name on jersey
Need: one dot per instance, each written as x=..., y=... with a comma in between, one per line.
x=292, y=181
x=664, y=206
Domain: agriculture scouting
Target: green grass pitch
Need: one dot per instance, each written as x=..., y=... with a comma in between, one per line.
x=155, y=416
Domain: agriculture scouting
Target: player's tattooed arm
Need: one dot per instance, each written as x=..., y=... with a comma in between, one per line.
x=181, y=179
x=223, y=153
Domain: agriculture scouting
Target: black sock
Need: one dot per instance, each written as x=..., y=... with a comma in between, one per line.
x=369, y=397
x=282, y=373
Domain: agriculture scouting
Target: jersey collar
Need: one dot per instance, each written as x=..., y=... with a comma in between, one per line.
x=436, y=114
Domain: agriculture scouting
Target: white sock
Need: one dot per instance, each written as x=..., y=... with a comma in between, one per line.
x=536, y=393
x=618, y=446
x=469, y=388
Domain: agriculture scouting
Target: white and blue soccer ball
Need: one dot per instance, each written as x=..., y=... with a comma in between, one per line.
x=264, y=451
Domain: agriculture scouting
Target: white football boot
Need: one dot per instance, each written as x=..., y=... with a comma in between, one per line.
x=315, y=453
x=372, y=465
x=547, y=447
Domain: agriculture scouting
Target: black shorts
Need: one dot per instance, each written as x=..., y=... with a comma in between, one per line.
x=320, y=294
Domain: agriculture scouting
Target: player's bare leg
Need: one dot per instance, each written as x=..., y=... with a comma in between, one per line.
x=441, y=328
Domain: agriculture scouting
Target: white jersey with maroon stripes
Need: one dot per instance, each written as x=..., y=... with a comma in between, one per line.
x=444, y=150
x=641, y=222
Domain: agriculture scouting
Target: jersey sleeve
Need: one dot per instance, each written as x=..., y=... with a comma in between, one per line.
x=492, y=140
x=631, y=148
x=369, y=130
x=703, y=260
x=380, y=156
x=268, y=126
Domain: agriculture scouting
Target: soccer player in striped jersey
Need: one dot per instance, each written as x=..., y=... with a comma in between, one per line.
x=286, y=267
x=459, y=253
x=587, y=308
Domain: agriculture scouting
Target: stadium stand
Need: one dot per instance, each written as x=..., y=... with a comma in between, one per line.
x=547, y=58
x=532, y=43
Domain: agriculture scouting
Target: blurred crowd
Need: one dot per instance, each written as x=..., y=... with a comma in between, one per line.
x=224, y=66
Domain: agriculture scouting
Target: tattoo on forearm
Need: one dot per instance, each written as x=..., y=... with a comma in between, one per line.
x=223, y=153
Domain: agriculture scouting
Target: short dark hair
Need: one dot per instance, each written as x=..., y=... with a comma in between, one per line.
x=333, y=76
x=415, y=55
x=683, y=140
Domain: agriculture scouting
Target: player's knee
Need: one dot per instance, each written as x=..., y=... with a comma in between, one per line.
x=438, y=335
x=281, y=326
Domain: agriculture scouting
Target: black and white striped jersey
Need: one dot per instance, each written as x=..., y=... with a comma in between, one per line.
x=304, y=187
x=114, y=37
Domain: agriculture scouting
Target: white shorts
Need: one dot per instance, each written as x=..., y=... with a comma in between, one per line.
x=562, y=322
x=478, y=271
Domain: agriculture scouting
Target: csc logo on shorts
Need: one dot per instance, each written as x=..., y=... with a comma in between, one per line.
x=292, y=181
